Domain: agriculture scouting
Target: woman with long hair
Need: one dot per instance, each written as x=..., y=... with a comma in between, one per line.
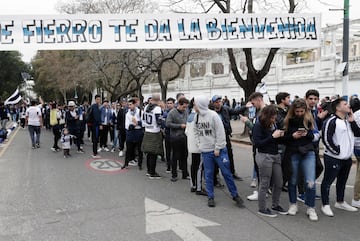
x=266, y=138
x=299, y=135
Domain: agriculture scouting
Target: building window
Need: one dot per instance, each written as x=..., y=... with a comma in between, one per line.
x=197, y=69
x=217, y=68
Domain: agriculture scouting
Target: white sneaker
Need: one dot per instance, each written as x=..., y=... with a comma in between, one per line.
x=293, y=209
x=345, y=206
x=121, y=153
x=99, y=150
x=355, y=203
x=327, y=210
x=133, y=163
x=254, y=196
x=112, y=149
x=312, y=214
x=253, y=183
x=106, y=149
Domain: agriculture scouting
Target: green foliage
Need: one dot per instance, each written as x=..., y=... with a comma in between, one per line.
x=11, y=67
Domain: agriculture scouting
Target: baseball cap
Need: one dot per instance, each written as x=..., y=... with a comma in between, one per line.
x=71, y=103
x=216, y=97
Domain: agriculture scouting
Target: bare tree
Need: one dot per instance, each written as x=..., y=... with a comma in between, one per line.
x=254, y=76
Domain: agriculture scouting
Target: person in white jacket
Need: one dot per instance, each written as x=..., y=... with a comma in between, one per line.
x=338, y=138
x=195, y=162
x=210, y=138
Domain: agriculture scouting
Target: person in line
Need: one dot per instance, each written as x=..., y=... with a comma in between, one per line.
x=170, y=102
x=176, y=121
x=134, y=134
x=355, y=106
x=338, y=138
x=266, y=138
x=34, y=122
x=256, y=100
x=225, y=113
x=152, y=143
x=106, y=116
x=282, y=105
x=196, y=164
x=55, y=115
x=115, y=131
x=211, y=140
x=121, y=126
x=22, y=114
x=299, y=136
x=94, y=120
x=73, y=124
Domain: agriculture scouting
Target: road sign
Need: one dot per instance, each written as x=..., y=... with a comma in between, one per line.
x=105, y=165
x=160, y=218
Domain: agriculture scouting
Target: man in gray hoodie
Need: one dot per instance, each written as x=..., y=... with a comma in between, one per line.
x=210, y=137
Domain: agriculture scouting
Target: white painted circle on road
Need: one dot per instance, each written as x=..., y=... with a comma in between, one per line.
x=105, y=165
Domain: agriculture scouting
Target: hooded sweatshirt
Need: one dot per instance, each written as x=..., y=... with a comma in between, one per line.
x=209, y=129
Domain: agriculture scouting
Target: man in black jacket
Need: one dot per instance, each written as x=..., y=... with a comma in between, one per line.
x=225, y=113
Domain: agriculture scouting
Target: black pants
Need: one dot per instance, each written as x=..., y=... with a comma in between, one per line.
x=196, y=170
x=104, y=135
x=230, y=154
x=95, y=138
x=76, y=133
x=168, y=151
x=57, y=135
x=151, y=163
x=180, y=153
x=122, y=138
x=133, y=148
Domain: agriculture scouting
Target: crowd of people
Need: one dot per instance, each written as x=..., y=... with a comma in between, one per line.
x=194, y=136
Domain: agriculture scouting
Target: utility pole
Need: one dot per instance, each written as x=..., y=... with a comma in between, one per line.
x=345, y=82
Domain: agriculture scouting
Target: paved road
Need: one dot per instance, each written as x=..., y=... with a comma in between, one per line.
x=45, y=197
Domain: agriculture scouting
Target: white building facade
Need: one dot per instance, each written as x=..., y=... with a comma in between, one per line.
x=293, y=70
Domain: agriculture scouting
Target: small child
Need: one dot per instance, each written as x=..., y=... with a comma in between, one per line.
x=66, y=142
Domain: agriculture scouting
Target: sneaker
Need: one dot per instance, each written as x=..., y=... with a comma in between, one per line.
x=317, y=197
x=355, y=203
x=80, y=151
x=239, y=201
x=121, y=153
x=301, y=198
x=253, y=183
x=193, y=189
x=168, y=170
x=253, y=197
x=155, y=176
x=53, y=149
x=327, y=210
x=106, y=149
x=293, y=209
x=345, y=206
x=125, y=167
x=174, y=179
x=279, y=210
x=95, y=156
x=133, y=163
x=100, y=149
x=33, y=147
x=267, y=213
x=65, y=157
x=147, y=174
x=312, y=214
x=37, y=145
x=237, y=178
x=112, y=149
x=211, y=202
x=201, y=193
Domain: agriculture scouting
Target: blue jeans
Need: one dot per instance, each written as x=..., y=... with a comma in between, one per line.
x=224, y=164
x=34, y=134
x=335, y=168
x=307, y=164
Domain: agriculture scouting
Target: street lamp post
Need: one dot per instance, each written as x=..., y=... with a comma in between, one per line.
x=346, y=49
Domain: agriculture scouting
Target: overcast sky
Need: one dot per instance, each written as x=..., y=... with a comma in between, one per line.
x=36, y=7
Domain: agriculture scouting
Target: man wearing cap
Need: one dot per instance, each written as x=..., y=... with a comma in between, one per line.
x=73, y=124
x=225, y=113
